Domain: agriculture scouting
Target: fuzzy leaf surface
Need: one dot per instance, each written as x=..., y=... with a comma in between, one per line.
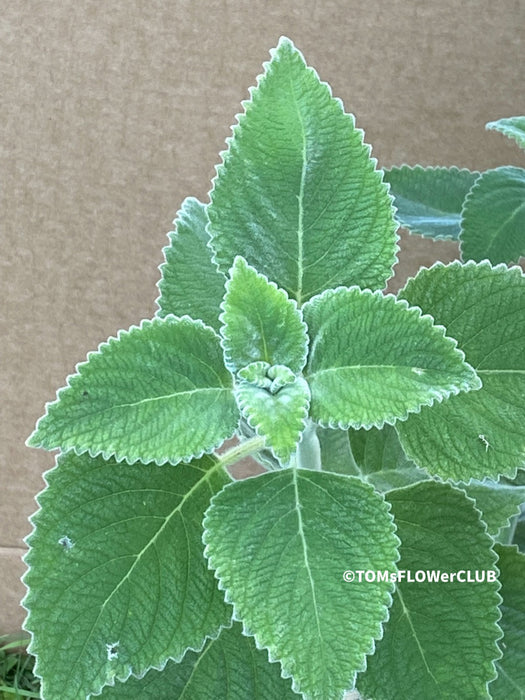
x=279, y=544
x=374, y=360
x=497, y=502
x=190, y=284
x=493, y=220
x=513, y=127
x=298, y=194
x=429, y=200
x=117, y=579
x=157, y=393
x=510, y=683
x=260, y=322
x=228, y=668
x=433, y=625
x=480, y=434
x=279, y=417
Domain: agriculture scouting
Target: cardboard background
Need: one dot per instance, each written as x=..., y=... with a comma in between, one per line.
x=113, y=112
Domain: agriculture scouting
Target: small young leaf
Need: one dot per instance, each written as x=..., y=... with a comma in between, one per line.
x=497, y=502
x=279, y=417
x=280, y=544
x=493, y=218
x=228, y=668
x=298, y=194
x=260, y=323
x=157, y=393
x=429, y=200
x=374, y=360
x=480, y=434
x=510, y=683
x=440, y=639
x=191, y=284
x=117, y=579
x=513, y=127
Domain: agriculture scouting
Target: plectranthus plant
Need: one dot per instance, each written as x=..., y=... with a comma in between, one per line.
x=389, y=432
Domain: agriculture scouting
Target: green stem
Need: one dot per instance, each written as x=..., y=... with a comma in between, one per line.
x=243, y=449
x=308, y=454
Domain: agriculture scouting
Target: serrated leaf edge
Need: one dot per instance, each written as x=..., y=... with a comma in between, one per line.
x=28, y=594
x=503, y=129
x=434, y=168
x=467, y=201
x=107, y=343
x=256, y=426
x=429, y=320
x=225, y=344
x=238, y=125
x=493, y=552
x=172, y=236
x=237, y=618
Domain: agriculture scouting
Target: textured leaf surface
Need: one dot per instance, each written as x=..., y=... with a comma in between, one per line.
x=440, y=639
x=376, y=450
x=117, y=579
x=513, y=127
x=510, y=683
x=228, y=668
x=279, y=544
x=373, y=360
x=158, y=393
x=279, y=417
x=480, y=434
x=429, y=200
x=297, y=194
x=497, y=502
x=190, y=284
x=493, y=221
x=260, y=323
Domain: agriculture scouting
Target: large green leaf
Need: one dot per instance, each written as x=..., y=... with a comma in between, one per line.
x=510, y=683
x=280, y=544
x=440, y=639
x=228, y=668
x=117, y=579
x=157, y=393
x=497, y=502
x=298, y=194
x=493, y=219
x=191, y=283
x=429, y=200
x=280, y=417
x=513, y=127
x=260, y=323
x=374, y=360
x=479, y=434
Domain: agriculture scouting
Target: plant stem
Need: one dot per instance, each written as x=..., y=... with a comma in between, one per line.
x=308, y=454
x=243, y=449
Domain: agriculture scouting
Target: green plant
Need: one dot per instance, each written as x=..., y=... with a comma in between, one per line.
x=16, y=669
x=485, y=212
x=385, y=426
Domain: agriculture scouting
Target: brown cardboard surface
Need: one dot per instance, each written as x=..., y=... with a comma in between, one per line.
x=113, y=112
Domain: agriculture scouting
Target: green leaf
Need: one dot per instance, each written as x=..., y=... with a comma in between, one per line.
x=336, y=451
x=190, y=284
x=374, y=360
x=298, y=194
x=157, y=393
x=440, y=639
x=377, y=450
x=117, y=579
x=510, y=683
x=279, y=417
x=497, y=502
x=513, y=127
x=429, y=200
x=260, y=323
x=280, y=544
x=493, y=219
x=228, y=668
x=480, y=434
